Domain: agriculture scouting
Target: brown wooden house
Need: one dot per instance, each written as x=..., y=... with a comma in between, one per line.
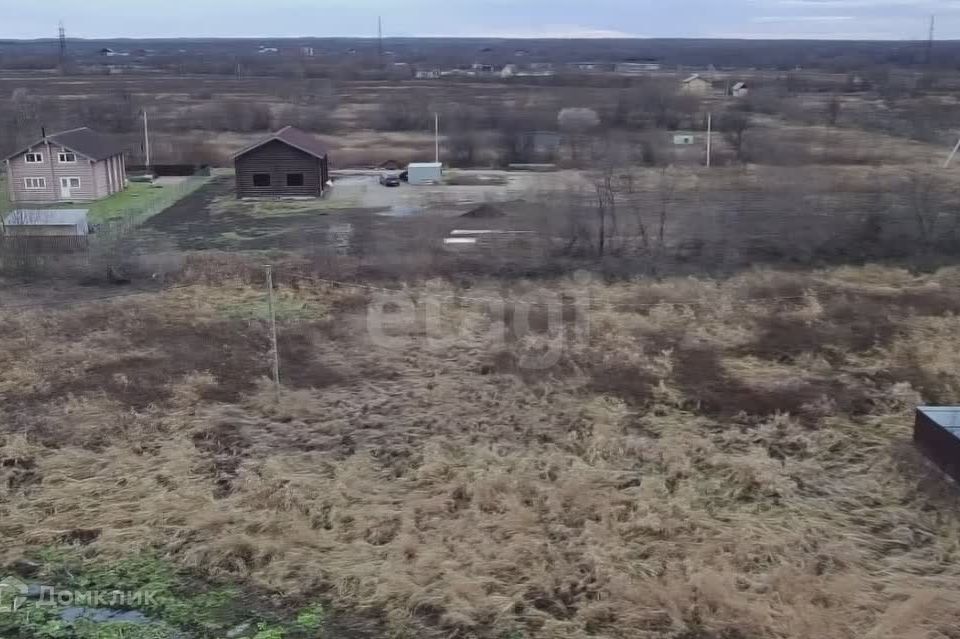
x=290, y=163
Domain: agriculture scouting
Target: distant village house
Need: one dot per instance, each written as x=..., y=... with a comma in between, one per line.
x=79, y=165
x=696, y=85
x=637, y=68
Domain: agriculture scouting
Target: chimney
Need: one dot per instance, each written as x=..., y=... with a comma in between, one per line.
x=43, y=133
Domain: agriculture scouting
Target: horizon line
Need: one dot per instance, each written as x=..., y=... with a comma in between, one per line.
x=473, y=37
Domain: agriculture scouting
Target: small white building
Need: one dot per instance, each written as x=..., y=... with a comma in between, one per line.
x=46, y=223
x=432, y=74
x=740, y=90
x=425, y=173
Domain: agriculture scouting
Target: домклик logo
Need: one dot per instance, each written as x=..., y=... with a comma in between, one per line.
x=13, y=594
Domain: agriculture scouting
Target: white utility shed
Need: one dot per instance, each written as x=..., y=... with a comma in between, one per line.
x=425, y=173
x=47, y=222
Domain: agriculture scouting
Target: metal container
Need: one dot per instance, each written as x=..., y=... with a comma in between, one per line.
x=936, y=433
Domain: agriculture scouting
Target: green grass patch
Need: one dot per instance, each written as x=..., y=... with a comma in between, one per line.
x=285, y=307
x=137, y=202
x=177, y=604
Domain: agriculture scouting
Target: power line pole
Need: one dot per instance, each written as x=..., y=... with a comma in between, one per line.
x=436, y=135
x=709, y=137
x=63, y=46
x=933, y=27
x=273, y=334
x=380, y=41
x=146, y=139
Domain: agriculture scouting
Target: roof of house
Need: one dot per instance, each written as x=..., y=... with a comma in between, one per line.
x=739, y=85
x=294, y=137
x=695, y=76
x=46, y=217
x=82, y=141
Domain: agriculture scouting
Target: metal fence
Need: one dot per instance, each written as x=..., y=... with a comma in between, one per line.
x=136, y=214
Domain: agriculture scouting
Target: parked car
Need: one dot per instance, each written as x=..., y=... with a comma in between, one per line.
x=405, y=176
x=389, y=179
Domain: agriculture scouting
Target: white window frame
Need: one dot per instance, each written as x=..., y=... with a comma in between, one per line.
x=36, y=154
x=68, y=180
x=40, y=183
x=63, y=154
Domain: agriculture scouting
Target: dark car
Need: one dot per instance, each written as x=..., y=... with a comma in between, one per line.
x=390, y=180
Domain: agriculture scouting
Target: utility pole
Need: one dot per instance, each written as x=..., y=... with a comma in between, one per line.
x=933, y=27
x=273, y=334
x=146, y=138
x=709, y=137
x=436, y=135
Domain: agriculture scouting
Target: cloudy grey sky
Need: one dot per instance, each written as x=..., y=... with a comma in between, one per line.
x=831, y=19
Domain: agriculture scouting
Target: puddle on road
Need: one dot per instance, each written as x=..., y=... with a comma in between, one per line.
x=401, y=210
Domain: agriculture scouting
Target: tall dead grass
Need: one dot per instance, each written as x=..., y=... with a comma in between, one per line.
x=709, y=467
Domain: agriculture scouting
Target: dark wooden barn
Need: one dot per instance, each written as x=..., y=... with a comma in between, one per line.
x=937, y=433
x=290, y=163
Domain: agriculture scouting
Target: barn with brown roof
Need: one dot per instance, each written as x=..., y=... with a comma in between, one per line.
x=289, y=163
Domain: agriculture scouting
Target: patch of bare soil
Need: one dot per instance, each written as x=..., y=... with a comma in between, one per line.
x=484, y=212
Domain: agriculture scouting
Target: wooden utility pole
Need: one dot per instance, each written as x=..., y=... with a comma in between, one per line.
x=709, y=137
x=436, y=136
x=273, y=334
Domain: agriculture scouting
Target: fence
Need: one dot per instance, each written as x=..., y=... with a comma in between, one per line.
x=136, y=215
x=108, y=241
x=170, y=170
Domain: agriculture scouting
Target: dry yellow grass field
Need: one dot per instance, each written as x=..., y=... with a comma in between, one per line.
x=708, y=459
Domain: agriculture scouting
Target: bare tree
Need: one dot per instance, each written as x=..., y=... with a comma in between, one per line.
x=651, y=221
x=834, y=107
x=925, y=206
x=576, y=123
x=734, y=126
x=606, y=207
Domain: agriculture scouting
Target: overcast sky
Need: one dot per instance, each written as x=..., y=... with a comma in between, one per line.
x=831, y=19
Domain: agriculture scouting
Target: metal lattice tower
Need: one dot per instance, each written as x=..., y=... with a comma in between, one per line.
x=380, y=41
x=63, y=45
